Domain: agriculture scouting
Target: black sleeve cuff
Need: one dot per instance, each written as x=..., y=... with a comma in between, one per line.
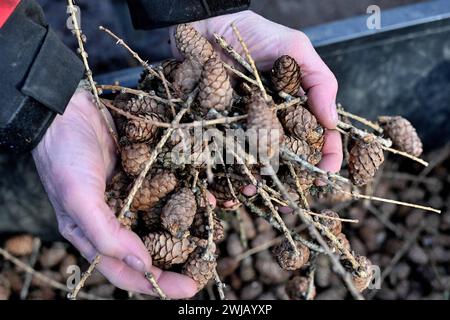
x=152, y=14
x=38, y=76
x=54, y=74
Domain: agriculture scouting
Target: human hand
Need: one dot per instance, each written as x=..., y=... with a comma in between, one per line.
x=267, y=41
x=75, y=159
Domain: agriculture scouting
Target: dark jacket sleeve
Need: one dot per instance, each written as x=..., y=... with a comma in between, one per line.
x=152, y=14
x=38, y=76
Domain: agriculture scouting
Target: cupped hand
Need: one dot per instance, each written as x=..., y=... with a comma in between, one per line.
x=267, y=41
x=75, y=159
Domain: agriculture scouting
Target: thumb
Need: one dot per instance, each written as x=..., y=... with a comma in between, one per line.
x=101, y=227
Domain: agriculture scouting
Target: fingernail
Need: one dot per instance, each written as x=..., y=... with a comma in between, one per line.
x=320, y=182
x=249, y=191
x=333, y=113
x=135, y=263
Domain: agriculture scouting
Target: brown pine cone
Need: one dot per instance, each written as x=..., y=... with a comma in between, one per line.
x=264, y=127
x=221, y=191
x=178, y=213
x=153, y=189
x=403, y=135
x=118, y=185
x=145, y=106
x=187, y=77
x=199, y=269
x=297, y=288
x=152, y=218
x=361, y=277
x=303, y=150
x=215, y=87
x=303, y=125
x=334, y=226
x=286, y=257
x=286, y=75
x=130, y=220
x=141, y=131
x=166, y=250
x=134, y=157
x=344, y=241
x=21, y=245
x=365, y=159
x=270, y=272
x=199, y=226
x=122, y=99
x=305, y=178
x=169, y=67
x=192, y=44
x=115, y=204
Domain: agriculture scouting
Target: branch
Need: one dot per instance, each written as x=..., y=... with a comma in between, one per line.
x=84, y=57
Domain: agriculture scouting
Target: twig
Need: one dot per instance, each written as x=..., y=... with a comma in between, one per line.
x=363, y=134
x=331, y=218
x=151, y=278
x=219, y=284
x=128, y=115
x=271, y=220
x=42, y=277
x=32, y=262
x=407, y=155
x=251, y=61
x=73, y=295
x=311, y=287
x=298, y=186
x=169, y=96
x=291, y=156
x=209, y=252
x=138, y=93
x=268, y=203
x=140, y=179
x=266, y=245
x=313, y=229
x=230, y=50
x=240, y=74
x=200, y=123
x=153, y=156
x=364, y=121
x=145, y=64
x=401, y=203
x=84, y=57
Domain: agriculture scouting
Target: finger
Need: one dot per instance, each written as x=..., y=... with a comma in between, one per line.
x=331, y=152
x=122, y=275
x=72, y=233
x=89, y=211
x=317, y=80
x=176, y=286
